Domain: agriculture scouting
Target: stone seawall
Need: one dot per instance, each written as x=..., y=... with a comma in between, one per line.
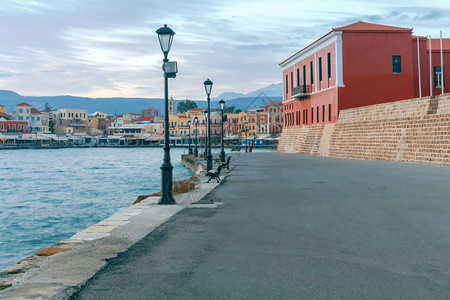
x=415, y=130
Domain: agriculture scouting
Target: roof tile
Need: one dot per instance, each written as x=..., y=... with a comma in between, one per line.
x=365, y=27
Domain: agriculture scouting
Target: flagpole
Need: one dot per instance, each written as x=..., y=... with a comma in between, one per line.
x=418, y=65
x=442, y=68
x=431, y=68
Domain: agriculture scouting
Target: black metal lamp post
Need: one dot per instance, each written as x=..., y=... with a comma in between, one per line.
x=196, y=136
x=205, y=152
x=222, y=152
x=189, y=140
x=165, y=36
x=208, y=86
x=246, y=129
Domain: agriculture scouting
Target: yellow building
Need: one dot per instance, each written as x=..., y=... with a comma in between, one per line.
x=248, y=117
x=2, y=109
x=178, y=125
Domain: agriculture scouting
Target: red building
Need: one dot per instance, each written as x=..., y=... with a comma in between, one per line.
x=357, y=65
x=12, y=126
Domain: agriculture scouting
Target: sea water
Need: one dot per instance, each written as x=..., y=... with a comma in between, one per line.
x=50, y=194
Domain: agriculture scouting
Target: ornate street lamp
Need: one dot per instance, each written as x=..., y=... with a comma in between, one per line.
x=165, y=36
x=208, y=86
x=189, y=140
x=196, y=136
x=205, y=152
x=222, y=152
x=246, y=129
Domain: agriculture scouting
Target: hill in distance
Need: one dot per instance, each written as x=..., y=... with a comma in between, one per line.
x=250, y=100
x=273, y=90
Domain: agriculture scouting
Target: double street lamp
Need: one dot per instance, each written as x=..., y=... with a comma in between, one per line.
x=208, y=86
x=189, y=140
x=196, y=136
x=246, y=141
x=165, y=36
x=222, y=152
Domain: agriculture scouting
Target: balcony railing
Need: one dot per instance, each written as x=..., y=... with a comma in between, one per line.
x=301, y=92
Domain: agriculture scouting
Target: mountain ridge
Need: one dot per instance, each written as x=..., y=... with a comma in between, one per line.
x=120, y=105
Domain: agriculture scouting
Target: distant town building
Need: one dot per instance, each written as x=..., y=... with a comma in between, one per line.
x=231, y=126
x=357, y=65
x=249, y=118
x=274, y=111
x=2, y=109
x=13, y=126
x=171, y=106
x=153, y=112
x=25, y=112
x=71, y=121
x=104, y=126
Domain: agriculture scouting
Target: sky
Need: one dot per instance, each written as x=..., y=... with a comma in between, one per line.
x=109, y=48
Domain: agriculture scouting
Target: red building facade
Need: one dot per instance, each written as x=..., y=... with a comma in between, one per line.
x=357, y=65
x=13, y=126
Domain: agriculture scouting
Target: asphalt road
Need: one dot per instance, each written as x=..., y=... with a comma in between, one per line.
x=298, y=227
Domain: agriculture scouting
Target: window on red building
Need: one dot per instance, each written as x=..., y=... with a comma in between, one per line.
x=311, y=72
x=396, y=64
x=329, y=64
x=320, y=68
x=329, y=112
x=438, y=77
x=287, y=87
x=304, y=75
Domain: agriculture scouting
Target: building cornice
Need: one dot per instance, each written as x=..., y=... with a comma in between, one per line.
x=309, y=50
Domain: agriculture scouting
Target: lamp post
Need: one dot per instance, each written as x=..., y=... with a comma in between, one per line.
x=222, y=152
x=196, y=136
x=208, y=86
x=189, y=140
x=205, y=152
x=165, y=36
x=246, y=142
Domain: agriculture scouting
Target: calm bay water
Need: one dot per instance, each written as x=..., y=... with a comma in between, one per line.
x=49, y=195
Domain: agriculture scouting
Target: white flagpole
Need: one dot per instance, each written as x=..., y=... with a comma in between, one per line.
x=431, y=68
x=418, y=65
x=442, y=68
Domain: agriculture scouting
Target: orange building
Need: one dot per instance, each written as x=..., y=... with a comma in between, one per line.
x=357, y=65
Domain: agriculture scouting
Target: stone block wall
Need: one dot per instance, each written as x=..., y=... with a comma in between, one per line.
x=415, y=130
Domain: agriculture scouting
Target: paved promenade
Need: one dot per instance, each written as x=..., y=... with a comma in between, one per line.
x=297, y=227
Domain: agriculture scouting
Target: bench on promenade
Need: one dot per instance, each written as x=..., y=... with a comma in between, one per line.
x=215, y=174
x=235, y=148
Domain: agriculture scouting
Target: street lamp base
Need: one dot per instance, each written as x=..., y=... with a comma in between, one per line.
x=208, y=162
x=222, y=156
x=166, y=185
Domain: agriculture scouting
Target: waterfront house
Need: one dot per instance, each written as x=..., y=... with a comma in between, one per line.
x=274, y=112
x=13, y=126
x=153, y=112
x=357, y=65
x=33, y=117
x=71, y=121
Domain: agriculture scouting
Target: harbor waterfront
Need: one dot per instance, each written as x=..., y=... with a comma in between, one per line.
x=49, y=195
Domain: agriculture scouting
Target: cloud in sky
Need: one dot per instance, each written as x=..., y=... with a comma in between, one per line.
x=108, y=48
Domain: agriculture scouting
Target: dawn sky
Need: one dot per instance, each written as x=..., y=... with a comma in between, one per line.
x=109, y=48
